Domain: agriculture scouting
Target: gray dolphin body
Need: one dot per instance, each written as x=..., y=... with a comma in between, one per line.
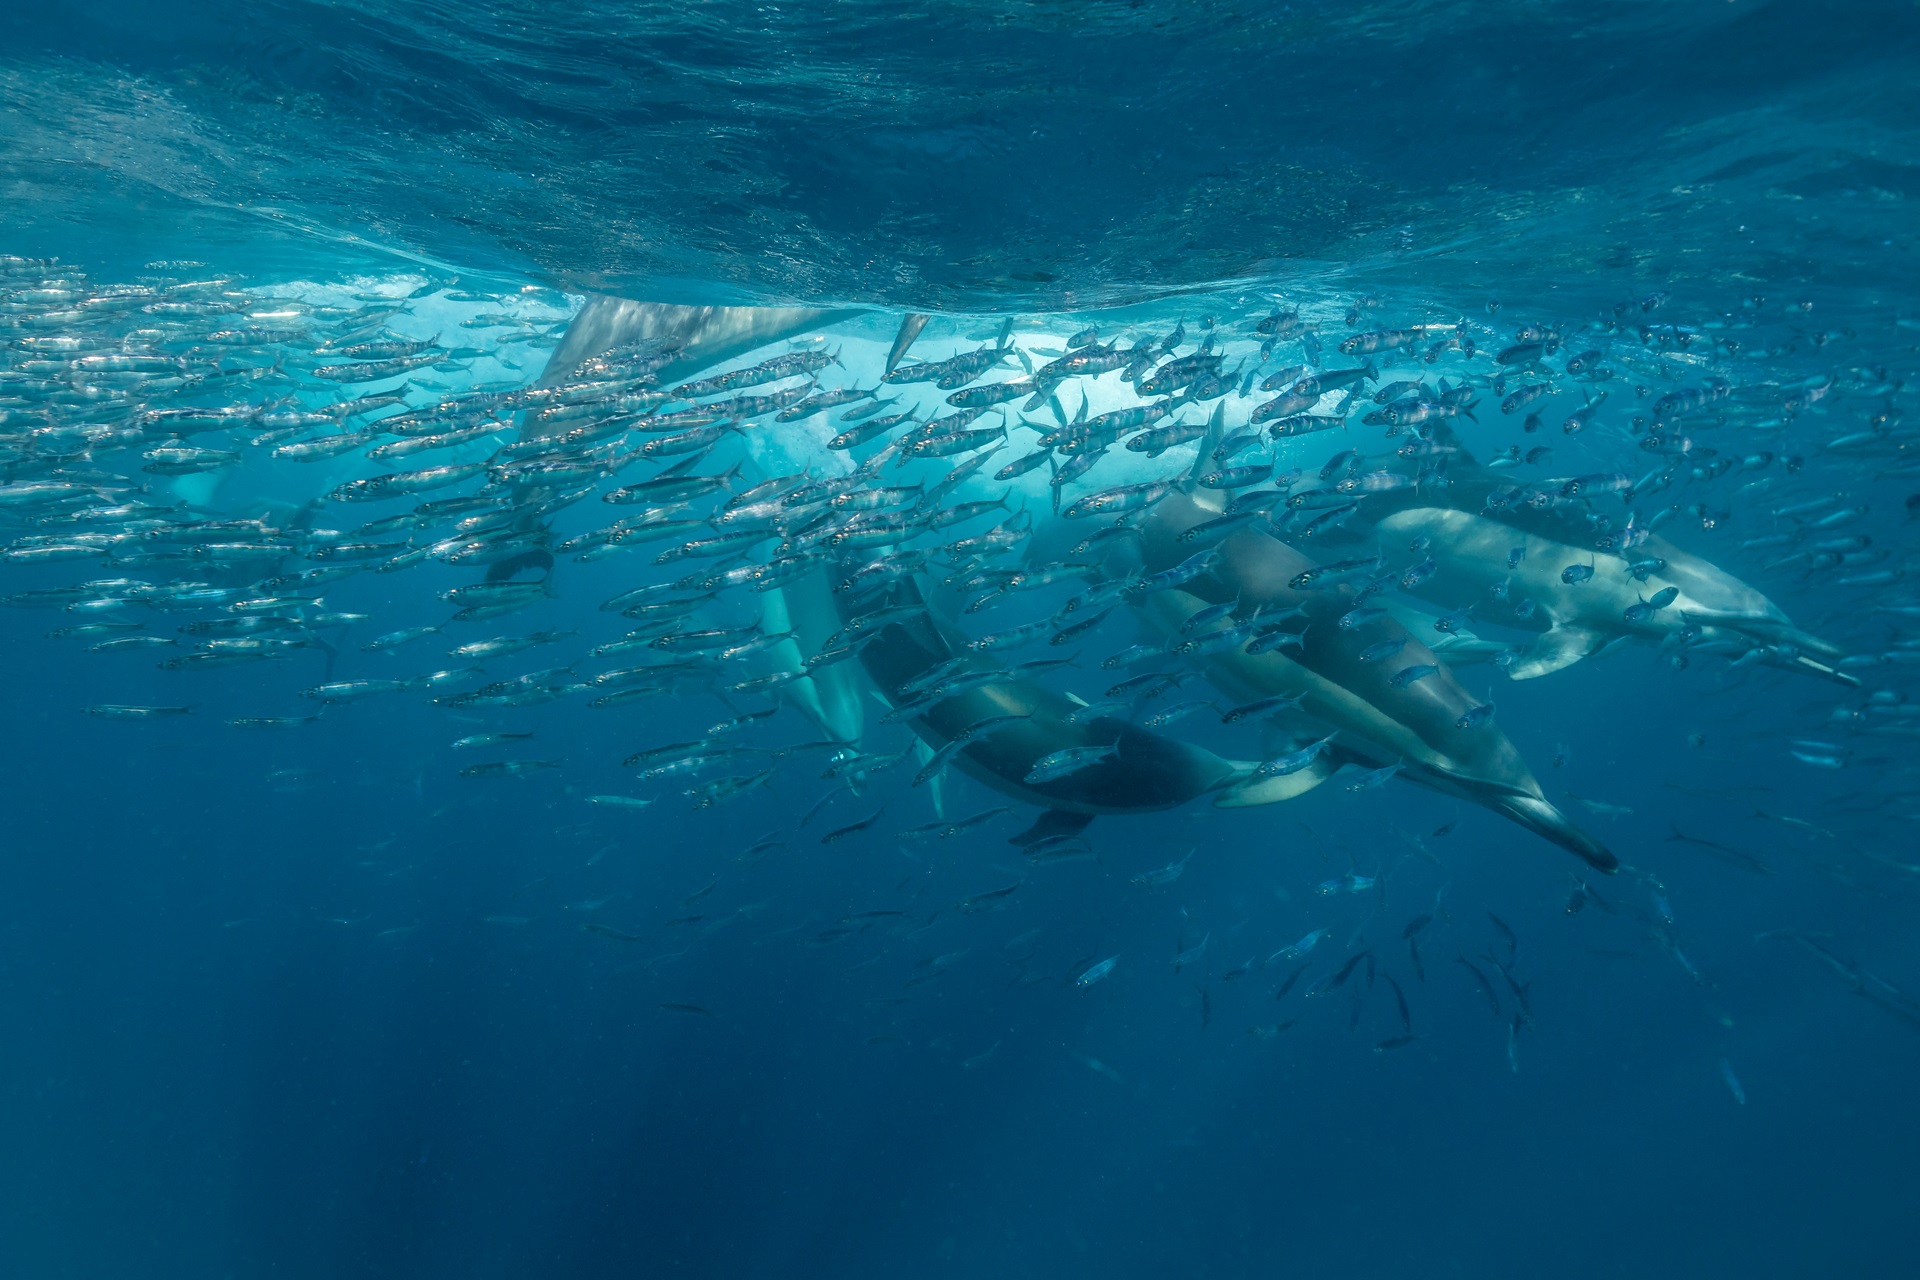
x=705, y=336
x=1144, y=772
x=1471, y=541
x=1417, y=722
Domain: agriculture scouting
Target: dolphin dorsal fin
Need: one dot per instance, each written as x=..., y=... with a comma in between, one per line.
x=1216, y=431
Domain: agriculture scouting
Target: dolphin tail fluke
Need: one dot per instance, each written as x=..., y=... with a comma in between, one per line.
x=1542, y=818
x=1054, y=822
x=1556, y=649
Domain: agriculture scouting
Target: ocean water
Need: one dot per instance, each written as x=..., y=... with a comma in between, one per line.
x=1587, y=953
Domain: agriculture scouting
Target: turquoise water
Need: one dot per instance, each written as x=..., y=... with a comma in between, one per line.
x=1009, y=639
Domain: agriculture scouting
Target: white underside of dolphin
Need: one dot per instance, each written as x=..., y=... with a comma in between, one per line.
x=1474, y=555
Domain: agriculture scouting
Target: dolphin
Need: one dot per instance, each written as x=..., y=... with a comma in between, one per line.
x=1471, y=553
x=1147, y=771
x=1144, y=771
x=1417, y=722
x=1472, y=535
x=702, y=336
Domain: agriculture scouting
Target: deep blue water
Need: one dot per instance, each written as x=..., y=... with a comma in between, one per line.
x=311, y=1003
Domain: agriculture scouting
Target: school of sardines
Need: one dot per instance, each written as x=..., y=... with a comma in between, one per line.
x=1100, y=572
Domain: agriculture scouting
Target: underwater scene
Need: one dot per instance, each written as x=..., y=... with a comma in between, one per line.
x=1009, y=639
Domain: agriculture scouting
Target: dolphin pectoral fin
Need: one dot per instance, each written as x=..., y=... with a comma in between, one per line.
x=1054, y=822
x=1256, y=791
x=1542, y=818
x=1561, y=647
x=1612, y=645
